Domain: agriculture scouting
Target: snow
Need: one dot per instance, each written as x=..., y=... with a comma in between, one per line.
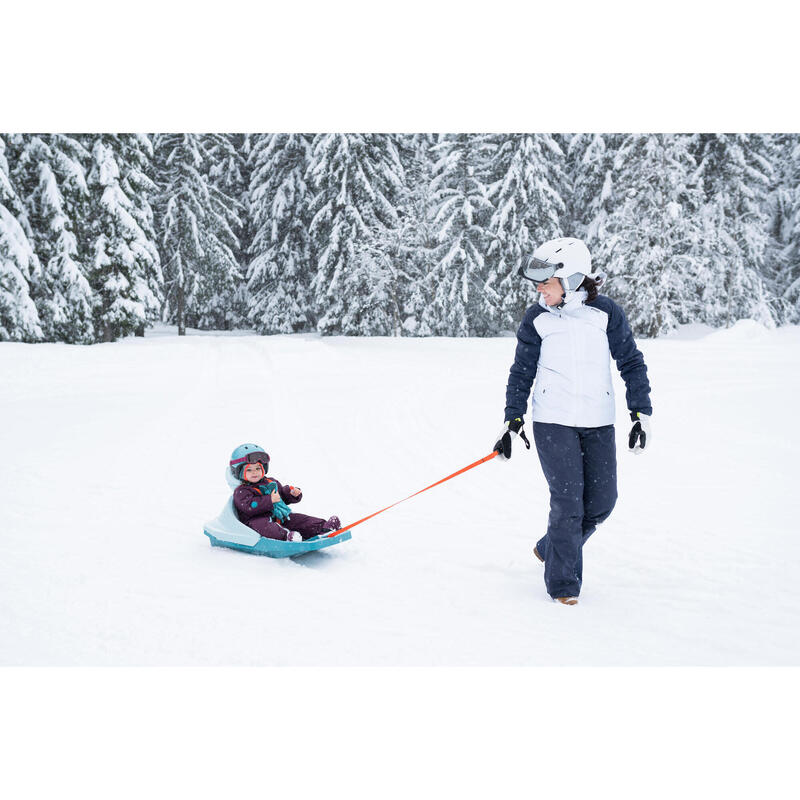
x=114, y=455
x=18, y=257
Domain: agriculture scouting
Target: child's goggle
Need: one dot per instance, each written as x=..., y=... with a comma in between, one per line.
x=251, y=458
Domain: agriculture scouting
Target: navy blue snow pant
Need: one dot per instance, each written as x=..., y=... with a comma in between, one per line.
x=580, y=466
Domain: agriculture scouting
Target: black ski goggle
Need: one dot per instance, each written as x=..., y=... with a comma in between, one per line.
x=252, y=458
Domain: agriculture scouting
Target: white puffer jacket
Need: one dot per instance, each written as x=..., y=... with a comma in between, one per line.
x=568, y=351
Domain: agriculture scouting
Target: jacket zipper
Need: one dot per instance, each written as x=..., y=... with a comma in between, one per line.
x=571, y=323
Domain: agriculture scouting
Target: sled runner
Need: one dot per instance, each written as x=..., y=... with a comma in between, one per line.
x=226, y=530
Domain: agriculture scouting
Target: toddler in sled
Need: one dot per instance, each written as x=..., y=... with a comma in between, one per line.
x=262, y=503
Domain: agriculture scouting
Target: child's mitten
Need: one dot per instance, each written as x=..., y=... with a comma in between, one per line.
x=280, y=511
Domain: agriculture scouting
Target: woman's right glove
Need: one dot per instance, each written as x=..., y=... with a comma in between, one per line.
x=512, y=428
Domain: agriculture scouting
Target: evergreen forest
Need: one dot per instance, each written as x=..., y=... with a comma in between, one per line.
x=102, y=235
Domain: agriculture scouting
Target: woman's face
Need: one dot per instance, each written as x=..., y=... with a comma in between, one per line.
x=253, y=473
x=551, y=290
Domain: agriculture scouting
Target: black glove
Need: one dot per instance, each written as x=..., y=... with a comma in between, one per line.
x=512, y=428
x=640, y=436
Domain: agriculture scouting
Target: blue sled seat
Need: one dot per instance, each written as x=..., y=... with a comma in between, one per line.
x=227, y=530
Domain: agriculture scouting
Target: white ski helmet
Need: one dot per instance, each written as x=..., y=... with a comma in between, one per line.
x=566, y=258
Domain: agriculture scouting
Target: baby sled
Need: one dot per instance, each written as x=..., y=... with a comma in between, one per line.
x=226, y=530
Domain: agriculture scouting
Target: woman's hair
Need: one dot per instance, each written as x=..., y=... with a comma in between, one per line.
x=591, y=288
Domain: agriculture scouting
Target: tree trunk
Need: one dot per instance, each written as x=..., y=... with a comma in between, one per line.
x=181, y=320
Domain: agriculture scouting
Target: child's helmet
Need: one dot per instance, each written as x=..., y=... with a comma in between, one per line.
x=247, y=454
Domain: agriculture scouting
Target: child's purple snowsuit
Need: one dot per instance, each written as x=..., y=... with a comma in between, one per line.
x=254, y=508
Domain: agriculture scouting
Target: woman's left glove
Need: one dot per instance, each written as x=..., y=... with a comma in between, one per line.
x=640, y=435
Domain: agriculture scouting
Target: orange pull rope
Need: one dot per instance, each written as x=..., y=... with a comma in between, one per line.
x=455, y=474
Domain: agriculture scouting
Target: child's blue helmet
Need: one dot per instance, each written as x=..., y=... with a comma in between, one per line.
x=247, y=454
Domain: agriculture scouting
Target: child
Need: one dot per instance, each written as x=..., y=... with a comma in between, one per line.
x=262, y=503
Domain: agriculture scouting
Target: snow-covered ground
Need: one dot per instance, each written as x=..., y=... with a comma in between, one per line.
x=112, y=456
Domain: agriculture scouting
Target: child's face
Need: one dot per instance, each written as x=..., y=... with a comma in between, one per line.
x=253, y=473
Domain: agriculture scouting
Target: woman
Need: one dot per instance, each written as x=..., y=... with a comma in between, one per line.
x=565, y=342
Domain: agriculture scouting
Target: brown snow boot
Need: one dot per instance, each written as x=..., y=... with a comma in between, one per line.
x=567, y=601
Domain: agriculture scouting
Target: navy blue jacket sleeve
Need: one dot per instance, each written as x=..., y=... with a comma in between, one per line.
x=629, y=358
x=523, y=370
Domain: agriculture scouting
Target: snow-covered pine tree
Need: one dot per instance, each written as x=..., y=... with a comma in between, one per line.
x=227, y=165
x=125, y=269
x=50, y=171
x=138, y=183
x=528, y=181
x=279, y=274
x=180, y=210
x=244, y=143
x=782, y=260
x=562, y=141
x=196, y=234
x=789, y=279
x=228, y=173
x=651, y=233
x=735, y=173
x=19, y=320
x=416, y=243
x=459, y=304
x=590, y=165
x=356, y=180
